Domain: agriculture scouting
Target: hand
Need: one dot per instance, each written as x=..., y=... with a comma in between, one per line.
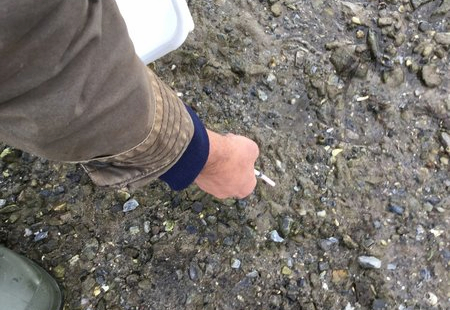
x=229, y=171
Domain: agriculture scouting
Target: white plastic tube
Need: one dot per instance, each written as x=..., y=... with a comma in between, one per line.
x=264, y=177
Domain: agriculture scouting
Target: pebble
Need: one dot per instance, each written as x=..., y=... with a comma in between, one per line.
x=145, y=284
x=59, y=271
x=327, y=244
x=356, y=20
x=391, y=266
x=322, y=213
x=40, y=236
x=370, y=262
x=194, y=272
x=252, y=274
x=349, y=307
x=393, y=78
x=276, y=9
x=424, y=26
x=134, y=230
x=430, y=76
x=2, y=203
x=27, y=232
x=385, y=21
x=286, y=226
x=324, y=266
x=130, y=205
x=274, y=236
x=445, y=138
x=431, y=298
x=396, y=209
x=262, y=95
x=379, y=304
x=286, y=271
x=228, y=241
x=338, y=276
x=349, y=243
x=74, y=260
x=425, y=274
x=442, y=38
x=235, y=263
x=428, y=207
x=147, y=227
x=197, y=207
x=271, y=78
x=360, y=34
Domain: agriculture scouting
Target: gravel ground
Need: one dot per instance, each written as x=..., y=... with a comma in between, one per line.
x=349, y=102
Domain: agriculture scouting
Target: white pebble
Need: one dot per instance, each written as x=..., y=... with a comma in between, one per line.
x=322, y=213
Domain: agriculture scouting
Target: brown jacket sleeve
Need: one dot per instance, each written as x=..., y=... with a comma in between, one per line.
x=72, y=89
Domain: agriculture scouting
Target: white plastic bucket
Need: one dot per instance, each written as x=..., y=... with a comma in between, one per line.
x=156, y=27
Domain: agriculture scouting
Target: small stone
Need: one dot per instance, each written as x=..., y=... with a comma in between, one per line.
x=424, y=26
x=442, y=38
x=2, y=203
x=235, y=263
x=41, y=235
x=147, y=227
x=197, y=207
x=169, y=225
x=349, y=243
x=436, y=232
x=396, y=209
x=134, y=230
x=322, y=213
x=391, y=266
x=430, y=76
x=123, y=195
x=194, y=272
x=349, y=307
x=59, y=271
x=393, y=78
x=427, y=50
x=360, y=34
x=338, y=276
x=276, y=9
x=328, y=244
x=356, y=20
x=274, y=236
x=286, y=271
x=91, y=248
x=74, y=260
x=385, y=21
x=379, y=304
x=431, y=299
x=271, y=78
x=145, y=284
x=262, y=95
x=369, y=262
x=130, y=205
x=286, y=226
x=324, y=266
x=428, y=207
x=27, y=232
x=445, y=139
x=252, y=274
x=97, y=291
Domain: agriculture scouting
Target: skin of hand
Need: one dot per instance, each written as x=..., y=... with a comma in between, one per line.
x=229, y=170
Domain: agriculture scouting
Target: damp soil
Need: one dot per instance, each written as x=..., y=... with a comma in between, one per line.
x=349, y=102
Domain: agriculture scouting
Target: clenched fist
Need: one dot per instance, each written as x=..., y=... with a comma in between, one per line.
x=229, y=170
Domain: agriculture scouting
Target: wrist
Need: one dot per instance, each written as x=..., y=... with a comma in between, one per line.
x=218, y=153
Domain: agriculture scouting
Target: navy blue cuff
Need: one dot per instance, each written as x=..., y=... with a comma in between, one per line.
x=188, y=167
